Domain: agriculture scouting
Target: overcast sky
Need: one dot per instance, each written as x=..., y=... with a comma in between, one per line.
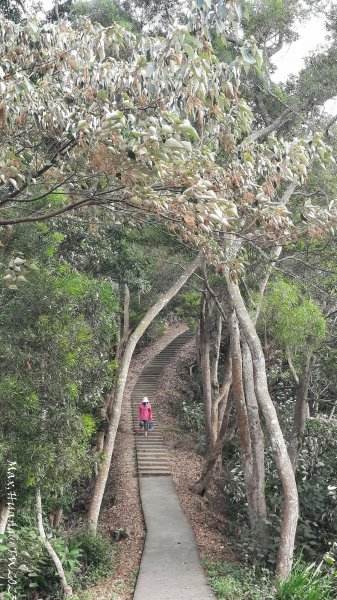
x=290, y=60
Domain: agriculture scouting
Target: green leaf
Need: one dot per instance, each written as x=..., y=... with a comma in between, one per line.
x=187, y=129
x=18, y=261
x=173, y=143
x=247, y=55
x=33, y=267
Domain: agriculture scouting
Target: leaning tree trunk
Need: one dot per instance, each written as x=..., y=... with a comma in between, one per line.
x=282, y=460
x=332, y=412
x=224, y=403
x=257, y=440
x=58, y=565
x=242, y=417
x=220, y=404
x=301, y=411
x=215, y=357
x=224, y=437
x=209, y=340
x=205, y=366
x=100, y=483
x=126, y=316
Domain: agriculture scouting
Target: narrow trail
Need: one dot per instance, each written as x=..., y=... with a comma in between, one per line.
x=170, y=568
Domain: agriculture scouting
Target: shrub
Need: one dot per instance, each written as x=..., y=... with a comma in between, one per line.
x=307, y=582
x=35, y=570
x=235, y=582
x=97, y=557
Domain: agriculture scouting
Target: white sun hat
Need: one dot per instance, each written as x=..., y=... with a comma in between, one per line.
x=145, y=399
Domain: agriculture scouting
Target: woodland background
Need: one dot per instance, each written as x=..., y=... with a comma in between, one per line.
x=152, y=171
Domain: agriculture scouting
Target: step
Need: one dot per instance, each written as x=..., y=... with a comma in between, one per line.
x=158, y=469
x=156, y=463
x=153, y=473
x=149, y=452
x=154, y=469
x=152, y=434
x=145, y=385
x=142, y=438
x=146, y=439
x=153, y=463
x=152, y=455
x=157, y=443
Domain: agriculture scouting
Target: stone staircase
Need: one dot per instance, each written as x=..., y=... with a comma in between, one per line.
x=152, y=456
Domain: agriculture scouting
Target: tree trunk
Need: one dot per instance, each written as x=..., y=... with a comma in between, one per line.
x=99, y=488
x=332, y=412
x=4, y=515
x=224, y=437
x=220, y=414
x=126, y=316
x=58, y=515
x=205, y=364
x=282, y=460
x=222, y=398
x=58, y=565
x=210, y=329
x=57, y=10
x=242, y=417
x=100, y=441
x=55, y=518
x=257, y=440
x=215, y=357
x=301, y=411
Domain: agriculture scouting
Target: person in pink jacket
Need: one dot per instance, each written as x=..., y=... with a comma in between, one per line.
x=145, y=414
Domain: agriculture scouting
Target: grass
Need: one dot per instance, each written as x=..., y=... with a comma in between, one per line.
x=308, y=582
x=236, y=582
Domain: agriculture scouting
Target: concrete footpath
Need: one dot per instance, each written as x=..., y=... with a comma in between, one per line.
x=170, y=567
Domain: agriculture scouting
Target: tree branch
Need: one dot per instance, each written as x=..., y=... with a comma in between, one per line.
x=330, y=124
x=58, y=565
x=54, y=213
x=276, y=47
x=68, y=146
x=262, y=108
x=281, y=120
x=215, y=298
x=233, y=40
x=291, y=367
